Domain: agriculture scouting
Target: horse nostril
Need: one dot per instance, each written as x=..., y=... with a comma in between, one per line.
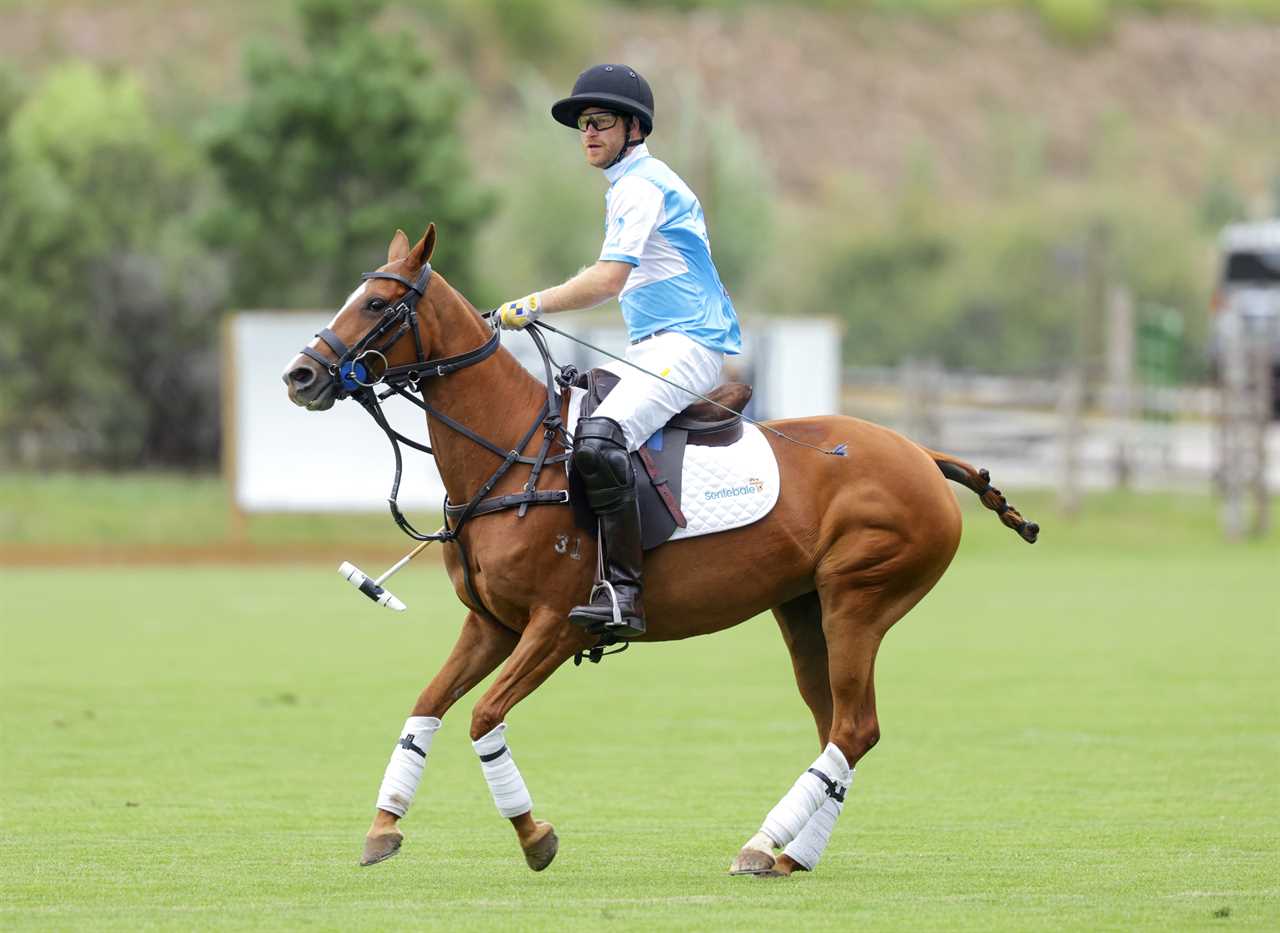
x=301, y=377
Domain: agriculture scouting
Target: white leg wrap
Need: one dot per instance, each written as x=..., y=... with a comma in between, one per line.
x=505, y=783
x=408, y=761
x=810, y=791
x=808, y=846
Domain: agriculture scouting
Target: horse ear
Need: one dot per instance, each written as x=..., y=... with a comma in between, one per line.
x=399, y=247
x=427, y=245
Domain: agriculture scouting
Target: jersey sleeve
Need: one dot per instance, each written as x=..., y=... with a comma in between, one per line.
x=635, y=211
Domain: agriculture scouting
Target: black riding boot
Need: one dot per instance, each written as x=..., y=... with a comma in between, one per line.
x=601, y=459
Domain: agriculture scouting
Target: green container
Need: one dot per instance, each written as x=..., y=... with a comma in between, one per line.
x=1161, y=341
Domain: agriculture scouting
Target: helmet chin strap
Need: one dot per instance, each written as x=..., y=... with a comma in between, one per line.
x=629, y=144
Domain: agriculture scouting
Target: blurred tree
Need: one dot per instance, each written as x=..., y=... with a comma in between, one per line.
x=727, y=170
x=10, y=97
x=490, y=35
x=331, y=151
x=109, y=300
x=1220, y=202
x=1007, y=286
x=1078, y=22
x=550, y=221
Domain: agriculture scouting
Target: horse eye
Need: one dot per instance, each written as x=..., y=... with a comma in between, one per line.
x=375, y=304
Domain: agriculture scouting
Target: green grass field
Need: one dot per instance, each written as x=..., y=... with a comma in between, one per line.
x=98, y=513
x=1083, y=734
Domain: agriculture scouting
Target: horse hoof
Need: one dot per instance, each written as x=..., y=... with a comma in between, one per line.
x=542, y=851
x=752, y=862
x=380, y=848
x=784, y=867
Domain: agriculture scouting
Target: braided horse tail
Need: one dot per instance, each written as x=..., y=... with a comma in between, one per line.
x=980, y=482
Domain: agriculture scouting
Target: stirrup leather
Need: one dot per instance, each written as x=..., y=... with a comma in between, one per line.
x=588, y=615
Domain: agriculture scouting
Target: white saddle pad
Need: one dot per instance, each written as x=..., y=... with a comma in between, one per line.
x=720, y=487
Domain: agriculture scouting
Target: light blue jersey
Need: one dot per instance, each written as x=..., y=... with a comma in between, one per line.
x=655, y=223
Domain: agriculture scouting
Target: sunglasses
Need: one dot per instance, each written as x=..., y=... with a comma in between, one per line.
x=597, y=121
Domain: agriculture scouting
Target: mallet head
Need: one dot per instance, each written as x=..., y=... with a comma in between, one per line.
x=357, y=578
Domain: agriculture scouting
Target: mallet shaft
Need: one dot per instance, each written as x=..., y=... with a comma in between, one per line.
x=401, y=562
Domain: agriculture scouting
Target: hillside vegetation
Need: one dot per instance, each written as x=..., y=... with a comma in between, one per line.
x=950, y=178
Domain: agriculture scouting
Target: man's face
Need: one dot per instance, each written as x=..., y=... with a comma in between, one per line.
x=602, y=146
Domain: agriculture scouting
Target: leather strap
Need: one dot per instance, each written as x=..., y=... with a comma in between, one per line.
x=498, y=503
x=834, y=791
x=661, y=487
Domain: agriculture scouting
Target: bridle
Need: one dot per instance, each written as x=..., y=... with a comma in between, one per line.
x=352, y=371
x=355, y=373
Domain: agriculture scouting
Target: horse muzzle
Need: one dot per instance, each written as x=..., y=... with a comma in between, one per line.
x=309, y=386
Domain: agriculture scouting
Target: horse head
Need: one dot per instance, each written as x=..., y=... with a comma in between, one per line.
x=376, y=329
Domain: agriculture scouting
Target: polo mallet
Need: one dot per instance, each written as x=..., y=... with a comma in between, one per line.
x=373, y=588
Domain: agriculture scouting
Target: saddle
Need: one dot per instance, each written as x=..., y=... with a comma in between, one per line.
x=658, y=464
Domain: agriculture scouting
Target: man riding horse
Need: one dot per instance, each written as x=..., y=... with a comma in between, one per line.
x=657, y=262
x=863, y=530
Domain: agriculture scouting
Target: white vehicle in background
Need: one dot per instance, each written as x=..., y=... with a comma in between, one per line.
x=1248, y=292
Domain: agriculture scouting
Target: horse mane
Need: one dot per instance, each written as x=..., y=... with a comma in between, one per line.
x=460, y=299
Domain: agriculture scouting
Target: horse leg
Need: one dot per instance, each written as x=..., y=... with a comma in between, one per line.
x=801, y=624
x=854, y=620
x=800, y=621
x=547, y=642
x=481, y=646
x=805, y=851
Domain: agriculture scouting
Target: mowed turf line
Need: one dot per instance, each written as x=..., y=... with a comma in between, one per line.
x=1078, y=735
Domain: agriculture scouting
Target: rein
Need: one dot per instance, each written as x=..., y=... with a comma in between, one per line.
x=356, y=372
x=354, y=376
x=840, y=450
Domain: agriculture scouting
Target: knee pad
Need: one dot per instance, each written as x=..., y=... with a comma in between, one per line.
x=600, y=457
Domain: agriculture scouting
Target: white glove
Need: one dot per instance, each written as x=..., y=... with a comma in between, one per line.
x=519, y=314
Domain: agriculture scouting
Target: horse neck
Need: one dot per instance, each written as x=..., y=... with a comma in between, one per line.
x=497, y=399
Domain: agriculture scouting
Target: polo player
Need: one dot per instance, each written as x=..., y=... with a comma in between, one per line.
x=656, y=261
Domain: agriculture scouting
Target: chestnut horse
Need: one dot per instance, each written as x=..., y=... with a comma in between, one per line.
x=853, y=543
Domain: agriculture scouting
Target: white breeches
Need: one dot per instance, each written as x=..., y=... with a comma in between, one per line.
x=642, y=404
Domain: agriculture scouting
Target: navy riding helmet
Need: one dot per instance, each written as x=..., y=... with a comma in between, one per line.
x=615, y=87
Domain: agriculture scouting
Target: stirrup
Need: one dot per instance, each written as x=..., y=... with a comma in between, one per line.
x=615, y=627
x=616, y=624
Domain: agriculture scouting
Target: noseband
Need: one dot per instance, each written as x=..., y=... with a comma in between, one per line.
x=353, y=370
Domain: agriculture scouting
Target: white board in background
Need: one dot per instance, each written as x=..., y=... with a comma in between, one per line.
x=281, y=458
